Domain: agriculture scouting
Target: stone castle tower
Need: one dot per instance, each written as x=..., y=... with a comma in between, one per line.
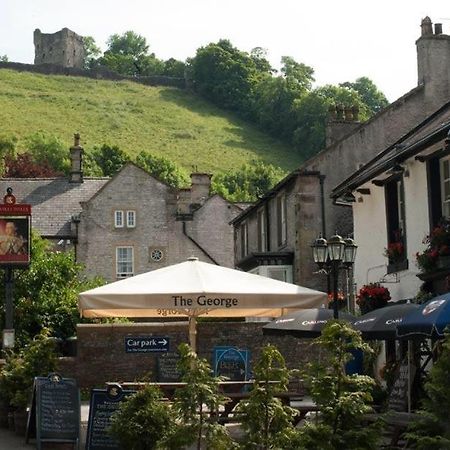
x=63, y=48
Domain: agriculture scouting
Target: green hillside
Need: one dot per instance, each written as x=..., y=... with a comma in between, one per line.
x=164, y=121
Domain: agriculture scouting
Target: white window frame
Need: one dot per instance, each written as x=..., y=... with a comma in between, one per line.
x=244, y=239
x=270, y=270
x=131, y=213
x=118, y=223
x=119, y=260
x=445, y=202
x=262, y=231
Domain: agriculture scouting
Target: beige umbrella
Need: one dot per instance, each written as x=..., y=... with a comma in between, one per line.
x=194, y=288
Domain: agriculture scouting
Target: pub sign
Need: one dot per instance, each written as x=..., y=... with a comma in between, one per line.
x=15, y=233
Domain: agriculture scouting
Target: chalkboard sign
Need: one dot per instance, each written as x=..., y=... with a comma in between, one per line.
x=167, y=370
x=398, y=398
x=55, y=410
x=104, y=402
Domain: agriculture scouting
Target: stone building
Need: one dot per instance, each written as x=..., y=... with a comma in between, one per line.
x=130, y=223
x=64, y=48
x=306, y=192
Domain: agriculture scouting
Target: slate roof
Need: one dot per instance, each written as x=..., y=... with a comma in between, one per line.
x=54, y=200
x=434, y=128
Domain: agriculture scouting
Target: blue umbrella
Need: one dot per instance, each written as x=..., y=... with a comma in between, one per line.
x=430, y=319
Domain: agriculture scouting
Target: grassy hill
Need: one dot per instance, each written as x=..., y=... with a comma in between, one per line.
x=164, y=121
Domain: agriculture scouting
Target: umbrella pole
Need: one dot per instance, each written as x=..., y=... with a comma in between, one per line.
x=193, y=333
x=409, y=375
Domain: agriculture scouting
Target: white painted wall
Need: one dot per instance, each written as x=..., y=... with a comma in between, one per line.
x=371, y=233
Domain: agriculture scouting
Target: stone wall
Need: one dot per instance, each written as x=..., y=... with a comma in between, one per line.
x=101, y=73
x=101, y=353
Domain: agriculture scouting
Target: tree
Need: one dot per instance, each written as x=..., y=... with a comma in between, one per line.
x=4, y=58
x=195, y=404
x=24, y=166
x=91, y=51
x=432, y=430
x=43, y=146
x=174, y=68
x=46, y=295
x=128, y=54
x=7, y=150
x=343, y=399
x=110, y=159
x=226, y=76
x=248, y=183
x=372, y=97
x=266, y=421
x=162, y=168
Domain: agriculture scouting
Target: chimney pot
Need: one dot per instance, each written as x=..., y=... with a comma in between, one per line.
x=76, y=161
x=348, y=114
x=438, y=28
x=339, y=112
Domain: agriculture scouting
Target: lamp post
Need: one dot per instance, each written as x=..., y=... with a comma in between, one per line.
x=332, y=255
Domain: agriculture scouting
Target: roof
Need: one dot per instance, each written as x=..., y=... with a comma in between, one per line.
x=54, y=200
x=434, y=128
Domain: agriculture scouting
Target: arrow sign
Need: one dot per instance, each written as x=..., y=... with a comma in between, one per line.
x=146, y=344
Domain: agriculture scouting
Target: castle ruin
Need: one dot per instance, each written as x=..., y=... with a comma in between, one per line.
x=64, y=48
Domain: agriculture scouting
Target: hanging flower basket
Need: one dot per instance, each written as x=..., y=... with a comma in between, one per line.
x=437, y=253
x=372, y=296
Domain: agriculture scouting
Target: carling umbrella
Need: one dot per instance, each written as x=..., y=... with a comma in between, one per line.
x=194, y=288
x=382, y=323
x=306, y=323
x=430, y=319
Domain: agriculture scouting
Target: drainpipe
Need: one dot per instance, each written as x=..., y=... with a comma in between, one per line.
x=198, y=245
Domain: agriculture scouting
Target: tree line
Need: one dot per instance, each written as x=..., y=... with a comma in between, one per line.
x=283, y=103
x=45, y=155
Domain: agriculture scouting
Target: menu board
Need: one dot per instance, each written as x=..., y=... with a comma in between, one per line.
x=398, y=397
x=55, y=410
x=167, y=368
x=103, y=404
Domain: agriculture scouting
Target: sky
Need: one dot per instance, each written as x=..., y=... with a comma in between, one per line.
x=341, y=40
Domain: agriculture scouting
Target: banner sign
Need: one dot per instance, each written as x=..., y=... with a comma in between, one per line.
x=15, y=234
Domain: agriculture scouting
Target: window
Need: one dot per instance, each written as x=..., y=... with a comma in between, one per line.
x=131, y=219
x=262, y=231
x=396, y=223
x=122, y=219
x=281, y=220
x=444, y=167
x=244, y=239
x=124, y=262
x=118, y=219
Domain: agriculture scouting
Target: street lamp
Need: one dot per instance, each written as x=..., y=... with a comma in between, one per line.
x=332, y=255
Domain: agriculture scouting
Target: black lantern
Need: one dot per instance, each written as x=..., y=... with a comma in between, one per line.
x=349, y=252
x=336, y=248
x=320, y=251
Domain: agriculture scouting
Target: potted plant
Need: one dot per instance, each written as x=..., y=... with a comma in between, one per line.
x=342, y=300
x=395, y=252
x=372, y=296
x=437, y=253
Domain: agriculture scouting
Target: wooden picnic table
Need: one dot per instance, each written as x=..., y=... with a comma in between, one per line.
x=234, y=391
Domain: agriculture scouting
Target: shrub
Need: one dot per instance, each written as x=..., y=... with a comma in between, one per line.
x=143, y=420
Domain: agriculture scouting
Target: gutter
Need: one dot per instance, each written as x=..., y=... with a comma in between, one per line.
x=198, y=245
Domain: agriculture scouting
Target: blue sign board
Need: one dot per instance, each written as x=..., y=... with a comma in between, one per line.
x=146, y=344
x=232, y=362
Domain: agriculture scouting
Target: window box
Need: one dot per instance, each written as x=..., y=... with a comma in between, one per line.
x=397, y=266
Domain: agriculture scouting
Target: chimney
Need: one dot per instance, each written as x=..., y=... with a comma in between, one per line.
x=200, y=186
x=76, y=161
x=427, y=26
x=341, y=121
x=433, y=60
